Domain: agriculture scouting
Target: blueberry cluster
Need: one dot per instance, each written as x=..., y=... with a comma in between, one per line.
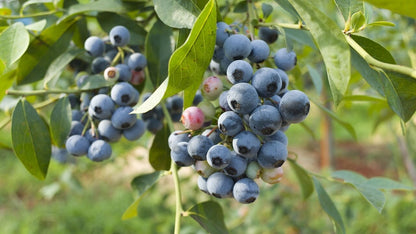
x=248, y=140
x=104, y=115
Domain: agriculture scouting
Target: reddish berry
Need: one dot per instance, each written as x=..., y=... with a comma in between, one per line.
x=212, y=88
x=137, y=77
x=193, y=118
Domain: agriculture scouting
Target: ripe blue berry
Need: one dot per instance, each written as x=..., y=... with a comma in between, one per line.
x=108, y=132
x=294, y=106
x=124, y=94
x=285, y=81
x=223, y=32
x=237, y=166
x=135, y=132
x=77, y=145
x=272, y=154
x=239, y=71
x=246, y=144
x=236, y=47
x=219, y=156
x=99, y=151
x=124, y=71
x=266, y=81
x=220, y=185
x=269, y=35
x=122, y=117
x=285, y=60
x=94, y=46
x=242, y=98
x=202, y=184
x=119, y=36
x=101, y=107
x=265, y=120
x=230, y=123
x=246, y=190
x=198, y=147
x=137, y=61
x=179, y=154
x=260, y=51
x=176, y=137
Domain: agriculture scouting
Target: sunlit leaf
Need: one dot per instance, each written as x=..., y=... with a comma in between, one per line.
x=404, y=7
x=177, y=13
x=14, y=42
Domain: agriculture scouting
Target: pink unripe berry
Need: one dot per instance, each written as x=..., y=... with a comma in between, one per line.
x=212, y=88
x=111, y=74
x=137, y=77
x=272, y=175
x=192, y=118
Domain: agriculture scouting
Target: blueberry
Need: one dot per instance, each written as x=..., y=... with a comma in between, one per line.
x=77, y=115
x=99, y=64
x=197, y=98
x=174, y=104
x=260, y=51
x=269, y=35
x=119, y=36
x=135, y=132
x=99, y=151
x=108, y=132
x=179, y=154
x=215, y=67
x=94, y=46
x=60, y=155
x=214, y=135
x=122, y=117
x=76, y=128
x=223, y=101
x=243, y=98
x=101, y=107
x=285, y=59
x=125, y=72
x=153, y=125
x=124, y=94
x=246, y=144
x=220, y=185
x=198, y=147
x=239, y=71
x=246, y=190
x=91, y=135
x=223, y=32
x=294, y=106
x=265, y=120
x=236, y=47
x=111, y=54
x=85, y=101
x=176, y=137
x=218, y=156
x=77, y=145
x=266, y=81
x=285, y=81
x=202, y=184
x=278, y=136
x=203, y=168
x=272, y=154
x=218, y=54
x=137, y=61
x=237, y=166
x=273, y=101
x=230, y=123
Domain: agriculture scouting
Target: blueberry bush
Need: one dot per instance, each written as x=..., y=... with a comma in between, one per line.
x=217, y=84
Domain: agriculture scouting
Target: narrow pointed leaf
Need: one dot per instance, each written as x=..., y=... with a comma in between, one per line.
x=61, y=121
x=374, y=196
x=159, y=47
x=159, y=153
x=31, y=139
x=210, y=216
x=382, y=23
x=14, y=42
x=304, y=179
x=188, y=63
x=177, y=13
x=328, y=205
x=331, y=43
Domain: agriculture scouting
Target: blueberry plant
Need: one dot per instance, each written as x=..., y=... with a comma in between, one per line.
x=215, y=82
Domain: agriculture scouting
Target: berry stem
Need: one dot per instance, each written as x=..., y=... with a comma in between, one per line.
x=174, y=170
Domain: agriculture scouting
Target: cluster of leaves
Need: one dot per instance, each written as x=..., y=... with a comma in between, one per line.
x=38, y=55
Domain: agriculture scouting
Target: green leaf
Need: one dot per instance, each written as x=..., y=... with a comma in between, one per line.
x=142, y=184
x=7, y=80
x=316, y=78
x=349, y=7
x=404, y=7
x=108, y=20
x=374, y=49
x=159, y=47
x=357, y=21
x=210, y=216
x=241, y=7
x=328, y=205
x=374, y=196
x=305, y=180
x=14, y=42
x=382, y=23
x=188, y=63
x=115, y=6
x=331, y=43
x=60, y=121
x=344, y=124
x=58, y=66
x=31, y=139
x=81, y=32
x=159, y=153
x=363, y=98
x=267, y=9
x=177, y=13
x=387, y=184
x=349, y=176
x=31, y=2
x=301, y=36
x=51, y=43
x=37, y=26
x=95, y=82
x=285, y=4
